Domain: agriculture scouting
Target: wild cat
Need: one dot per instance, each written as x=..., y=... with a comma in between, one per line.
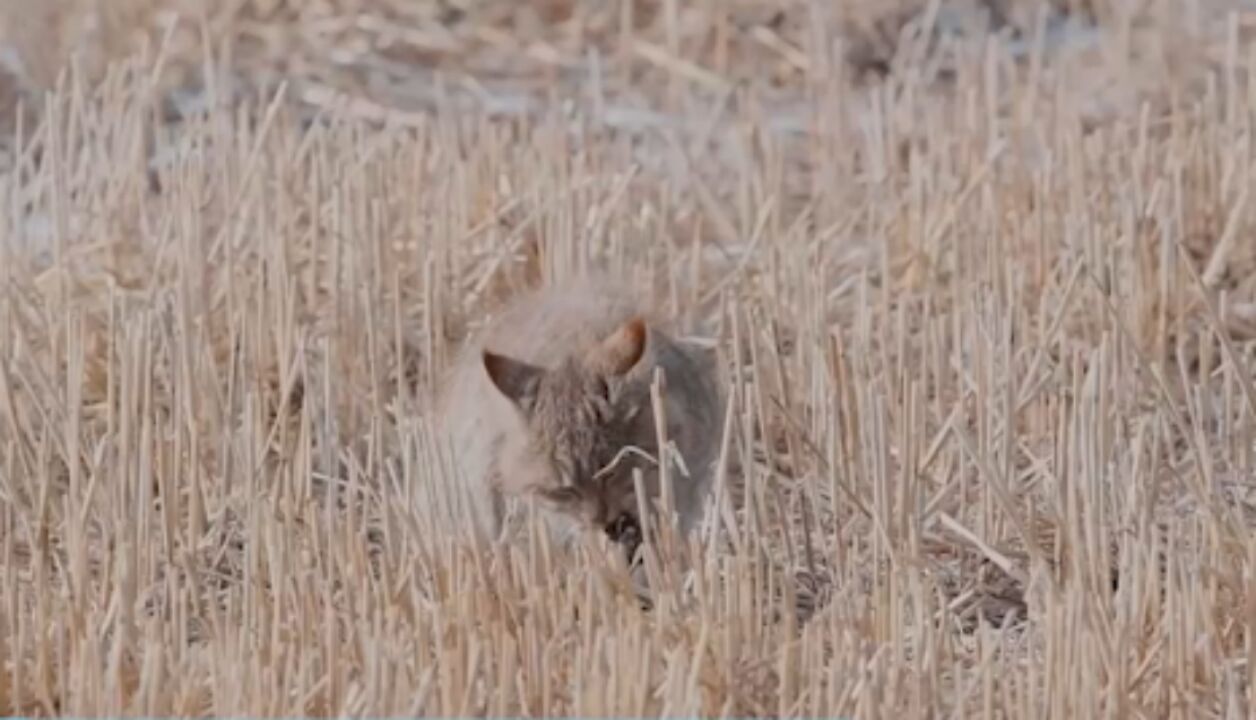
x=552, y=402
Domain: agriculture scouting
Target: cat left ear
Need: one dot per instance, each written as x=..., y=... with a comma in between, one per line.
x=515, y=379
x=622, y=349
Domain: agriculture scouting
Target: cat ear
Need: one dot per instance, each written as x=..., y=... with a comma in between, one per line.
x=620, y=351
x=515, y=379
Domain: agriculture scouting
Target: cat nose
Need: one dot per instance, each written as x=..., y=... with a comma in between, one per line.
x=619, y=526
x=625, y=531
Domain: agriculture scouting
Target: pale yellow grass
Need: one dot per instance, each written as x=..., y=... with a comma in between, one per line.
x=990, y=344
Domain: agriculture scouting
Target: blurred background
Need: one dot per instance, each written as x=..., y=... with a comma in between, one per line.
x=630, y=64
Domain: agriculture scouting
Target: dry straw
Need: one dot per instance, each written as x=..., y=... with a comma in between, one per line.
x=988, y=325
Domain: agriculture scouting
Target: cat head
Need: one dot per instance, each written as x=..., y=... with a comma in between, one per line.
x=577, y=417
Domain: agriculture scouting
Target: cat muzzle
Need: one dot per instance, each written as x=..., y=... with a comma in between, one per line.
x=625, y=531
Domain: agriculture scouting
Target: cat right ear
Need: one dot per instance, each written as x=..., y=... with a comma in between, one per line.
x=515, y=379
x=620, y=351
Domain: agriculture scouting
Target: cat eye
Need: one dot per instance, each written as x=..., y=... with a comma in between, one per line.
x=561, y=496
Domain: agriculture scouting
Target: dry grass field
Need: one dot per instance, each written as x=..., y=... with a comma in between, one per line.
x=982, y=276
